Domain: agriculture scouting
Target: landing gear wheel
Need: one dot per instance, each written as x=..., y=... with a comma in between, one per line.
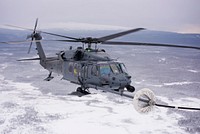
x=79, y=89
x=83, y=91
x=130, y=88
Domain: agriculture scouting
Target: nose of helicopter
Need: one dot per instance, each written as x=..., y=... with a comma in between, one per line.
x=121, y=81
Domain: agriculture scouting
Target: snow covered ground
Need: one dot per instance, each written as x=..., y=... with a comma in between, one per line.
x=30, y=105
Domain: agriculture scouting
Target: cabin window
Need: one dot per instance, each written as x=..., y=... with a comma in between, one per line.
x=94, y=71
x=105, y=69
x=75, y=69
x=84, y=71
x=70, y=67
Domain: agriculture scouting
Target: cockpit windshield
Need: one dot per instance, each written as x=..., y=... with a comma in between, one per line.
x=114, y=68
x=105, y=69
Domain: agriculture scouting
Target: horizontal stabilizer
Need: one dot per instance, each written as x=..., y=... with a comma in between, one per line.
x=28, y=59
x=48, y=59
x=49, y=78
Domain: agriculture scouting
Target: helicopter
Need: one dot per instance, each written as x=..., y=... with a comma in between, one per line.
x=90, y=67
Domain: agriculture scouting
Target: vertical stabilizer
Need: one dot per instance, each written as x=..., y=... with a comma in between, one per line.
x=40, y=50
x=37, y=37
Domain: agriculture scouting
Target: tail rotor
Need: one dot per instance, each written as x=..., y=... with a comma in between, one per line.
x=32, y=36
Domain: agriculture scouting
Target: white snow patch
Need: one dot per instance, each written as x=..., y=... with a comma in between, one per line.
x=162, y=60
x=8, y=54
x=193, y=71
x=139, y=82
x=76, y=115
x=171, y=84
x=123, y=121
x=22, y=86
x=178, y=83
x=3, y=66
x=155, y=85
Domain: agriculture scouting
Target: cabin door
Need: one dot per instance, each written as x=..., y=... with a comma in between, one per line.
x=84, y=72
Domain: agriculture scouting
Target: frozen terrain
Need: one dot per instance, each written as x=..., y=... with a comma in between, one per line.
x=30, y=105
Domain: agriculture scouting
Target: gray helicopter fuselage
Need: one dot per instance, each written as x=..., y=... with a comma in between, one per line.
x=89, y=68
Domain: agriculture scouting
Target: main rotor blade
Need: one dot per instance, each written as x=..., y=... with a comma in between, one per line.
x=148, y=44
x=60, y=35
x=28, y=41
x=112, y=36
x=16, y=42
x=64, y=40
x=19, y=27
x=42, y=31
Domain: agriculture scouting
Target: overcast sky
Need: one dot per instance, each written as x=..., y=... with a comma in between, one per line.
x=164, y=15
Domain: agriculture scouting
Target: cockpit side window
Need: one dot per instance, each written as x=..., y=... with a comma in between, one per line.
x=114, y=68
x=105, y=69
x=123, y=68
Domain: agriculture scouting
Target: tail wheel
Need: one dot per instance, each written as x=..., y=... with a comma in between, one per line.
x=79, y=89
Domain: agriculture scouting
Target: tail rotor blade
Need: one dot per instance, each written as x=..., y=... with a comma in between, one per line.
x=36, y=22
x=32, y=35
x=29, y=49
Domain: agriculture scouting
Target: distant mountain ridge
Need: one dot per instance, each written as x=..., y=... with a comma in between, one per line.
x=141, y=36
